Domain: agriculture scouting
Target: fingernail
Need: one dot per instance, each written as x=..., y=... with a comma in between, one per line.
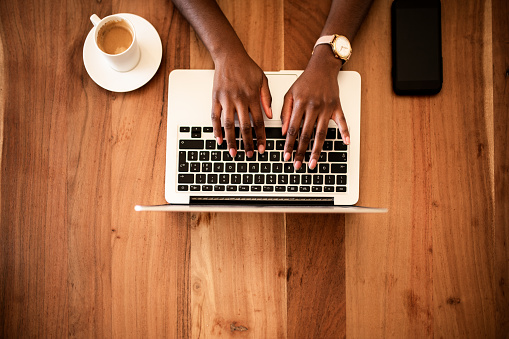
x=249, y=154
x=233, y=152
x=287, y=156
x=219, y=140
x=261, y=149
x=347, y=141
x=297, y=165
x=312, y=163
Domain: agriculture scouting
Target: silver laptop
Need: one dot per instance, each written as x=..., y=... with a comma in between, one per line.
x=202, y=176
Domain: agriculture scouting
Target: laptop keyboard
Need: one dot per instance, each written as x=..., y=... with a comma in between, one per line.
x=205, y=166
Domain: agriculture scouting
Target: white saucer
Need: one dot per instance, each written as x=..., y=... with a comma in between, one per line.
x=151, y=53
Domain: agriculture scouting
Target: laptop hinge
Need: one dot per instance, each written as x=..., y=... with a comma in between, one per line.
x=226, y=200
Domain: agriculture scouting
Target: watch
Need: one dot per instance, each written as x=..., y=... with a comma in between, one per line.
x=340, y=45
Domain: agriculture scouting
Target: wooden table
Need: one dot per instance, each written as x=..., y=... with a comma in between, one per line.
x=76, y=260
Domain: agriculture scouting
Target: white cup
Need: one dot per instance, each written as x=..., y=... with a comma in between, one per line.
x=121, y=62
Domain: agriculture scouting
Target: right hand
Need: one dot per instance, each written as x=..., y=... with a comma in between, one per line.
x=240, y=87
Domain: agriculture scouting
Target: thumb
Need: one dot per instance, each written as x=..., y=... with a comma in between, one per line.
x=266, y=98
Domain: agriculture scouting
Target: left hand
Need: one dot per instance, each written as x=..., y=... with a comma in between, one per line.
x=313, y=99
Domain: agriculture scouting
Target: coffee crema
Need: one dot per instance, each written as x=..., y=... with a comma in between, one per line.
x=115, y=37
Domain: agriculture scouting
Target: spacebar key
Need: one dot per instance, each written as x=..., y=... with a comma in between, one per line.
x=191, y=144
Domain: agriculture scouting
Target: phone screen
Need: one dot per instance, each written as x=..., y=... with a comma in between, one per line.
x=417, y=52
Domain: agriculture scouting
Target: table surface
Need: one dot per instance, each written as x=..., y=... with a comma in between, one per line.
x=77, y=260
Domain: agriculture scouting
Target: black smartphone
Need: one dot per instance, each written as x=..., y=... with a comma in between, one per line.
x=416, y=47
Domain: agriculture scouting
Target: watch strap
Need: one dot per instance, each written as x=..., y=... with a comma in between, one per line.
x=326, y=39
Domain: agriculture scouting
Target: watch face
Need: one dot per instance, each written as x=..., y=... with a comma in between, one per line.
x=342, y=47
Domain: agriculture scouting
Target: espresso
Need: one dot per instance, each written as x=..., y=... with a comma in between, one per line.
x=115, y=37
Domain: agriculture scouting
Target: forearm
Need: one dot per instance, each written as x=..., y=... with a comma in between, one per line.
x=212, y=27
x=345, y=17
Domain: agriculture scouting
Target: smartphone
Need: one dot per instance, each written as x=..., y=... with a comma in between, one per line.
x=416, y=47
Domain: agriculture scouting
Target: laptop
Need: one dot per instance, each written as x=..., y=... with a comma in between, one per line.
x=202, y=176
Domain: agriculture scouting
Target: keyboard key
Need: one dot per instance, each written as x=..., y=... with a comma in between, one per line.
x=206, y=188
x=327, y=145
x=219, y=188
x=229, y=167
x=328, y=189
x=269, y=145
x=337, y=157
x=240, y=156
x=274, y=156
x=231, y=188
x=256, y=188
x=331, y=133
x=186, y=178
x=218, y=167
x=259, y=179
x=280, y=188
x=274, y=133
x=243, y=188
x=253, y=158
x=204, y=156
x=184, y=167
x=195, y=188
x=182, y=187
x=280, y=145
x=265, y=168
x=247, y=179
x=215, y=156
x=236, y=178
x=288, y=167
x=227, y=156
x=182, y=157
x=323, y=168
x=192, y=156
x=254, y=168
x=318, y=179
x=210, y=144
x=206, y=167
x=306, y=179
x=295, y=179
x=241, y=167
x=263, y=157
x=316, y=188
x=224, y=145
x=341, y=179
x=195, y=167
x=208, y=129
x=322, y=157
x=201, y=178
x=340, y=189
x=330, y=180
x=268, y=188
x=270, y=179
x=304, y=189
x=338, y=168
x=277, y=168
x=340, y=146
x=224, y=178
x=212, y=179
x=184, y=129
x=191, y=144
x=293, y=188
x=282, y=179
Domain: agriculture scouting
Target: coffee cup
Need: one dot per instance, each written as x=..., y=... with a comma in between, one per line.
x=115, y=39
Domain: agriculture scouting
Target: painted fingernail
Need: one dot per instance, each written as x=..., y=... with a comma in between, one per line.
x=297, y=165
x=233, y=152
x=219, y=140
x=287, y=156
x=261, y=149
x=249, y=154
x=312, y=164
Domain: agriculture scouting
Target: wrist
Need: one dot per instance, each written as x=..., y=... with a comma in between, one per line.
x=323, y=58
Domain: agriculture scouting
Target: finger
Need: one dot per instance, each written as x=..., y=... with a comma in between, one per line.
x=266, y=98
x=229, y=129
x=321, y=132
x=339, y=119
x=292, y=130
x=259, y=126
x=304, y=138
x=245, y=129
x=286, y=112
x=216, y=122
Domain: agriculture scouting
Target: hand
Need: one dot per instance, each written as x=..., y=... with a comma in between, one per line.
x=314, y=98
x=239, y=88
